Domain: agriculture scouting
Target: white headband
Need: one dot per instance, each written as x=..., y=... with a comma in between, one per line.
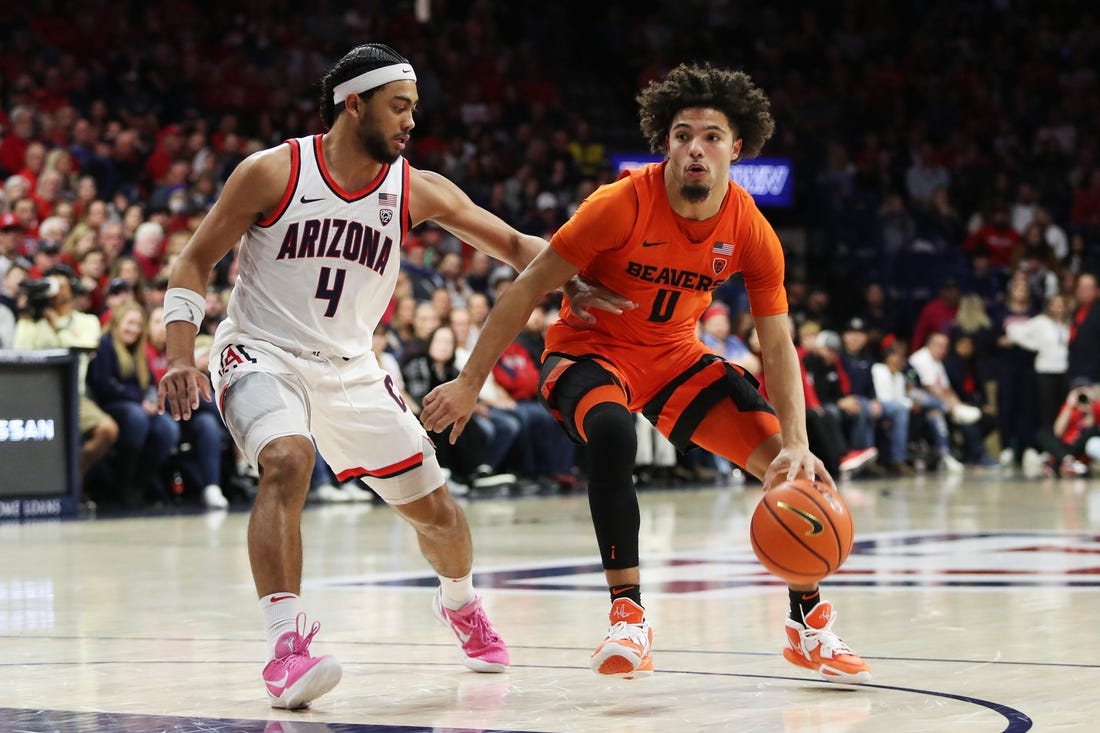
x=371, y=80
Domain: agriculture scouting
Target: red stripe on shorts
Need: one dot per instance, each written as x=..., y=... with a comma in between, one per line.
x=394, y=469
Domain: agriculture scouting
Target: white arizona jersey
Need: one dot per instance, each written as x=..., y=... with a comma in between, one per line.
x=318, y=273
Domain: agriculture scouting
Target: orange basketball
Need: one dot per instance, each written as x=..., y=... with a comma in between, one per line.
x=802, y=531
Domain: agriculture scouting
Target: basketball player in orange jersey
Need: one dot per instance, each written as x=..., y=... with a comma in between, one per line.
x=320, y=221
x=666, y=236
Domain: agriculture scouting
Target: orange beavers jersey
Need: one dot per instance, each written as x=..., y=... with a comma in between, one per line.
x=626, y=237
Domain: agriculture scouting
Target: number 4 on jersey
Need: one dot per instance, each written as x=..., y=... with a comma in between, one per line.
x=332, y=292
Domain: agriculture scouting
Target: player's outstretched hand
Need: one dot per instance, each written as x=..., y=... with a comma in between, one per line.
x=585, y=295
x=181, y=387
x=791, y=463
x=450, y=403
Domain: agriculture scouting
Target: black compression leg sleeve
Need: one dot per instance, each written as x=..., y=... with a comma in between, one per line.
x=612, y=445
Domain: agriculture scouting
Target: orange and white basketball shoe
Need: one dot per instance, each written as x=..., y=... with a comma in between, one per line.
x=813, y=645
x=625, y=651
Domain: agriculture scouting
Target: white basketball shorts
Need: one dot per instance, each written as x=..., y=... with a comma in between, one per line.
x=349, y=407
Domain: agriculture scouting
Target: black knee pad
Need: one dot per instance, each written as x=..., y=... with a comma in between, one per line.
x=609, y=427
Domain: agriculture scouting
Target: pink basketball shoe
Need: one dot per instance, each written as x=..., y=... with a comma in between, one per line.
x=294, y=678
x=482, y=649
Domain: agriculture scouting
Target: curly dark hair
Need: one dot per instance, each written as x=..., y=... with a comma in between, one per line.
x=355, y=62
x=730, y=92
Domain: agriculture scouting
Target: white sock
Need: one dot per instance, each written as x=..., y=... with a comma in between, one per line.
x=281, y=615
x=457, y=592
x=1092, y=448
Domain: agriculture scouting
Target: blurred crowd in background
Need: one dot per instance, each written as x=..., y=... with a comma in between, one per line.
x=942, y=245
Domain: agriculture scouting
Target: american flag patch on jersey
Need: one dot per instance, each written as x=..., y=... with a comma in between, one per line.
x=723, y=248
x=390, y=199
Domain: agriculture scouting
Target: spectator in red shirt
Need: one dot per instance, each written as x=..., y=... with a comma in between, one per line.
x=149, y=249
x=33, y=161
x=48, y=192
x=27, y=214
x=13, y=148
x=517, y=373
x=169, y=144
x=91, y=268
x=937, y=314
x=997, y=237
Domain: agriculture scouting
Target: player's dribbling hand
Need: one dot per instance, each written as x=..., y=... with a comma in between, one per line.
x=450, y=403
x=791, y=463
x=181, y=387
x=585, y=295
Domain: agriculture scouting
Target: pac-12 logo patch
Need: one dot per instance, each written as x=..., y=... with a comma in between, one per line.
x=719, y=264
x=386, y=215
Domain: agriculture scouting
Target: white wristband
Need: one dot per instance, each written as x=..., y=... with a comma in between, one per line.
x=184, y=304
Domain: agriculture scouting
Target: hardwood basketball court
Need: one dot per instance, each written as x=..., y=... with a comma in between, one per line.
x=974, y=599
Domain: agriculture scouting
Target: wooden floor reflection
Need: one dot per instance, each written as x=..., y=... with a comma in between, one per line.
x=974, y=598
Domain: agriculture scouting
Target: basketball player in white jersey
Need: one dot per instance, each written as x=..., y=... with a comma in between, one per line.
x=320, y=222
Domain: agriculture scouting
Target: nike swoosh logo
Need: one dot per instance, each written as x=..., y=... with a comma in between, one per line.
x=276, y=599
x=816, y=527
x=304, y=200
x=462, y=637
x=190, y=314
x=278, y=684
x=652, y=244
x=405, y=71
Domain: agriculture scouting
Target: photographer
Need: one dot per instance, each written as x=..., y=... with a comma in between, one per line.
x=1074, y=438
x=48, y=320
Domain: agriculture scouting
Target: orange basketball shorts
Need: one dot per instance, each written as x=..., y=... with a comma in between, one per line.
x=692, y=396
